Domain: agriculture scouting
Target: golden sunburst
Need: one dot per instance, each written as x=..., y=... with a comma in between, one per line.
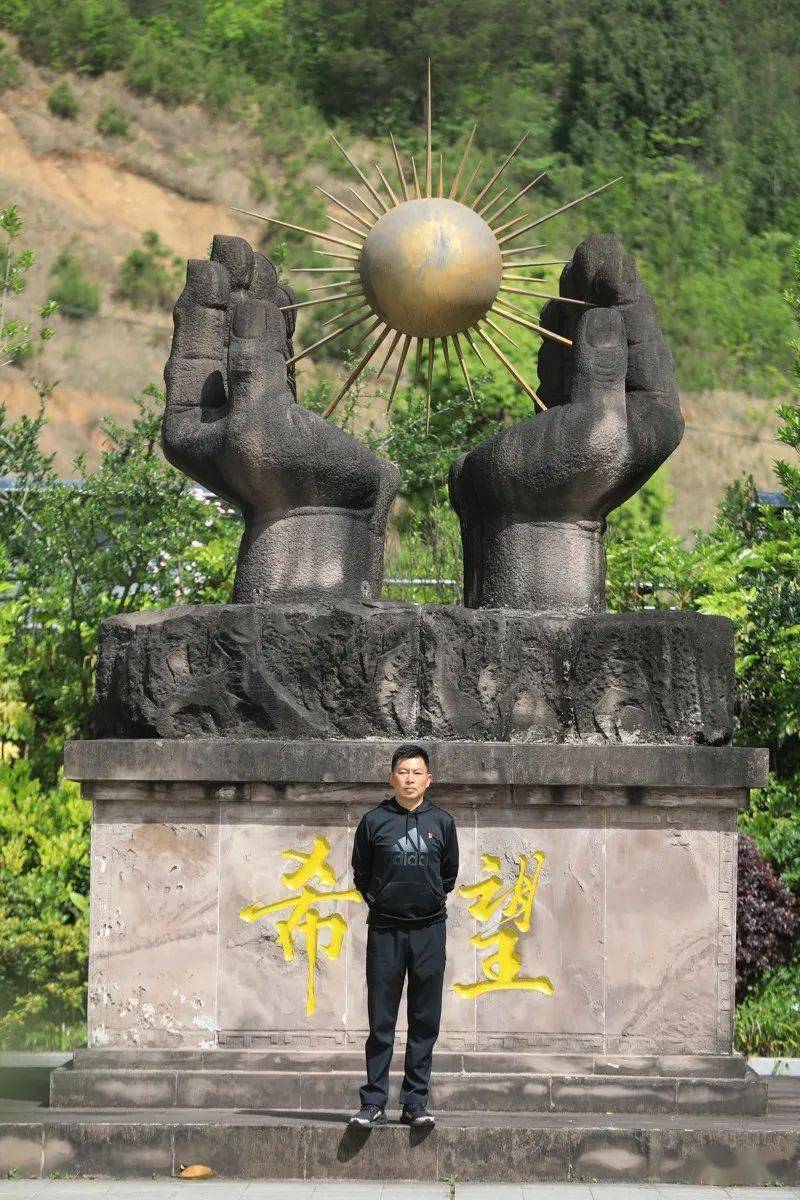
x=425, y=266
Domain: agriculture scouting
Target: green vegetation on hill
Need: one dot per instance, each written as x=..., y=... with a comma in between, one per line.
x=696, y=104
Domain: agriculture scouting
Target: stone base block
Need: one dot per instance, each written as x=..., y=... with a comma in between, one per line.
x=485, y=1147
x=382, y=669
x=523, y=1083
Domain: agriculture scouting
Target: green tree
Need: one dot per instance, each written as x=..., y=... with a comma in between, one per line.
x=132, y=535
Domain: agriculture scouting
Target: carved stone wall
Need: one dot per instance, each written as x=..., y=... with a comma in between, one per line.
x=365, y=670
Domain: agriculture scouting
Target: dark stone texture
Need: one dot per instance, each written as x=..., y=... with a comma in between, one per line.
x=315, y=500
x=532, y=499
x=338, y=670
x=220, y=761
x=379, y=669
x=499, y=675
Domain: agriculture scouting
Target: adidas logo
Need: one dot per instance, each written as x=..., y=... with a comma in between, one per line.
x=410, y=851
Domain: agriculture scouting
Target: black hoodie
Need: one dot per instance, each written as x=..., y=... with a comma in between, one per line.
x=405, y=863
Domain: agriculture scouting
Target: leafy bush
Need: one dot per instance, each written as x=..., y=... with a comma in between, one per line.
x=10, y=73
x=133, y=536
x=150, y=278
x=113, y=121
x=767, y=917
x=73, y=291
x=44, y=879
x=767, y=1020
x=773, y=821
x=63, y=102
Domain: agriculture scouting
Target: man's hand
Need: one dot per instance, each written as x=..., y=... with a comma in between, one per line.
x=315, y=501
x=533, y=499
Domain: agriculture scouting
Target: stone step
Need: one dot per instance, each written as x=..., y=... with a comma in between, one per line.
x=318, y=1090
x=547, y=1147
x=715, y=1066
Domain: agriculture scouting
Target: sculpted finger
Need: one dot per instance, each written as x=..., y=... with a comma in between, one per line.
x=193, y=373
x=600, y=361
x=256, y=355
x=604, y=274
x=554, y=360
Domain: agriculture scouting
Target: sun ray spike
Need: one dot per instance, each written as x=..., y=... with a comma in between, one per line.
x=470, y=181
x=418, y=363
x=366, y=203
x=320, y=271
x=483, y=212
x=354, y=374
x=446, y=354
x=330, y=254
x=387, y=185
x=341, y=204
x=428, y=139
x=344, y=225
x=557, y=211
x=416, y=178
x=328, y=338
x=540, y=329
x=549, y=296
x=523, y=249
x=431, y=356
x=499, y=170
x=502, y=332
x=375, y=195
x=510, y=224
x=345, y=283
x=400, y=173
x=461, y=162
x=463, y=366
x=399, y=371
x=518, y=196
x=346, y=313
x=371, y=329
x=473, y=347
x=544, y=262
x=319, y=300
x=509, y=366
x=326, y=237
x=395, y=340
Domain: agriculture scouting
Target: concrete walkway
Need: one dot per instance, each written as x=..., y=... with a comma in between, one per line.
x=144, y=1189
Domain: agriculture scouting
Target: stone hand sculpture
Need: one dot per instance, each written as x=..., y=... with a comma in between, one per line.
x=533, y=499
x=315, y=501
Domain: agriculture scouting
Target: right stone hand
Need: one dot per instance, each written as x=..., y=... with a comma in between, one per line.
x=533, y=499
x=315, y=501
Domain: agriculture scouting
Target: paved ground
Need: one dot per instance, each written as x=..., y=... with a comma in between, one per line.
x=264, y=1190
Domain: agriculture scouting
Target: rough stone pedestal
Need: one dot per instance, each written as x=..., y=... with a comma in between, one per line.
x=632, y=926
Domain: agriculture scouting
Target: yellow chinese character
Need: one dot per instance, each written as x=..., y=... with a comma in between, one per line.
x=515, y=904
x=303, y=917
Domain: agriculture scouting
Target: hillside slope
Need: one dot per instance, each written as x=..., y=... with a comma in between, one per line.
x=178, y=174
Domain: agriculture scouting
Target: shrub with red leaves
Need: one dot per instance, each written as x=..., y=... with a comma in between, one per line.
x=767, y=917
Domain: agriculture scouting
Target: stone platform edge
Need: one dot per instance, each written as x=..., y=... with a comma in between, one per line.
x=367, y=762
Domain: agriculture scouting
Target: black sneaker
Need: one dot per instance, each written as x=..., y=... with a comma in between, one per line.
x=368, y=1114
x=417, y=1116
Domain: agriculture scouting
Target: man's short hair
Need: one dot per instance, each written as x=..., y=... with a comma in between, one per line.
x=410, y=750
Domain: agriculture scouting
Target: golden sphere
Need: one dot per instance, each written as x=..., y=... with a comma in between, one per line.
x=430, y=268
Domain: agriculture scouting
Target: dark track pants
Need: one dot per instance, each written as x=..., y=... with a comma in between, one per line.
x=391, y=954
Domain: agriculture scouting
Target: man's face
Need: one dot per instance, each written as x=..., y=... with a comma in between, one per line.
x=409, y=779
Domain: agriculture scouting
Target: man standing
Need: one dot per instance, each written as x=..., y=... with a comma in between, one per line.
x=405, y=862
